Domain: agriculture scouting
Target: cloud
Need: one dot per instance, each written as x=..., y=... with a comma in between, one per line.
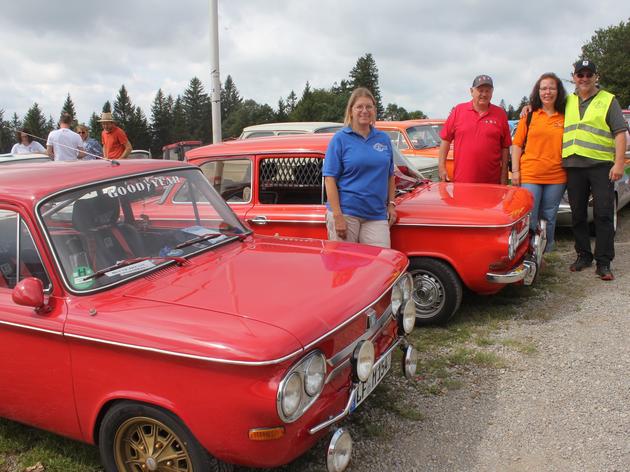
x=427, y=52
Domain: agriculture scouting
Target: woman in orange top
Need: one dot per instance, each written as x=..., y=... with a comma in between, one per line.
x=537, y=152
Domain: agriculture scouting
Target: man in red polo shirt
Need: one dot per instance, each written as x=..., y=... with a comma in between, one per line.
x=115, y=142
x=482, y=138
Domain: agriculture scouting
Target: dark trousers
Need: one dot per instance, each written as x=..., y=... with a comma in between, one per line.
x=581, y=183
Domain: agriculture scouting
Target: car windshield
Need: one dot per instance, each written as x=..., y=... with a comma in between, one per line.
x=112, y=231
x=424, y=136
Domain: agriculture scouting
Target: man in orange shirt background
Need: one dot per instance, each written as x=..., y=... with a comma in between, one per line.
x=115, y=142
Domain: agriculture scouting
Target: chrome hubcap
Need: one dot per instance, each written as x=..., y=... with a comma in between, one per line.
x=428, y=294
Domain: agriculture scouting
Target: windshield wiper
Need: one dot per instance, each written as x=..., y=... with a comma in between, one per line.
x=207, y=237
x=134, y=260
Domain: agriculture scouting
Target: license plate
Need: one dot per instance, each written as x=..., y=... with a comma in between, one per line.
x=365, y=388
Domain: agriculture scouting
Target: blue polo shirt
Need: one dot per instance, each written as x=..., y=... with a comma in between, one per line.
x=361, y=167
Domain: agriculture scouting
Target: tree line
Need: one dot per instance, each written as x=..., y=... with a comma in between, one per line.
x=188, y=116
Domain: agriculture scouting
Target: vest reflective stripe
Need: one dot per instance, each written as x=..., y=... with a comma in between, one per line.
x=590, y=135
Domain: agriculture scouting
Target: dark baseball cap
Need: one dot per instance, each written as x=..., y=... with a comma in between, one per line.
x=584, y=64
x=482, y=80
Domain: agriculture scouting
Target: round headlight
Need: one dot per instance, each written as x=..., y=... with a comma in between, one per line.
x=407, y=286
x=314, y=375
x=291, y=395
x=339, y=451
x=512, y=243
x=363, y=360
x=408, y=317
x=410, y=362
x=397, y=297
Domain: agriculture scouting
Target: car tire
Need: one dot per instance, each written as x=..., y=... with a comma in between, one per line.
x=129, y=427
x=437, y=290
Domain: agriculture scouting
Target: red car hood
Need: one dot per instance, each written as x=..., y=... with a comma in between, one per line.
x=301, y=286
x=459, y=204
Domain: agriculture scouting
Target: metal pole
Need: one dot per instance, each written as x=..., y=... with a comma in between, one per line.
x=215, y=93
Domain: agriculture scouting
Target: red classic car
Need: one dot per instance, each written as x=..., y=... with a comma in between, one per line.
x=455, y=235
x=179, y=341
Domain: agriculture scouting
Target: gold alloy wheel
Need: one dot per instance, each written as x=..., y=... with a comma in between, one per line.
x=145, y=444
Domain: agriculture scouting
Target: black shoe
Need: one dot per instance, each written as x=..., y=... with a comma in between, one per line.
x=604, y=273
x=582, y=262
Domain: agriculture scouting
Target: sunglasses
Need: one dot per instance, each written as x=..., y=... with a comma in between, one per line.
x=581, y=75
x=82, y=132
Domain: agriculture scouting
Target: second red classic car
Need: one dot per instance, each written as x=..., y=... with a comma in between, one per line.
x=175, y=339
x=455, y=235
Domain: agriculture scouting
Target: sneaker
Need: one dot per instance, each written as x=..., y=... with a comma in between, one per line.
x=604, y=272
x=582, y=262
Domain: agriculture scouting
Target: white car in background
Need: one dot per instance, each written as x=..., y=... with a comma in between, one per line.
x=294, y=127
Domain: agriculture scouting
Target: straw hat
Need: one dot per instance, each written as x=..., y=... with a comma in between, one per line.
x=106, y=117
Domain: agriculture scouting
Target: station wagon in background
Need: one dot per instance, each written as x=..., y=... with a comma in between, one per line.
x=138, y=313
x=292, y=127
x=455, y=235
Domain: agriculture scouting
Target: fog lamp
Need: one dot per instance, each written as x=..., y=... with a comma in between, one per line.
x=410, y=362
x=363, y=360
x=339, y=451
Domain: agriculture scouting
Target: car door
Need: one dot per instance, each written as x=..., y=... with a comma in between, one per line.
x=288, y=196
x=35, y=380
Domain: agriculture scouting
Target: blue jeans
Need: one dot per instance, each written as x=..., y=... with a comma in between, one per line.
x=546, y=201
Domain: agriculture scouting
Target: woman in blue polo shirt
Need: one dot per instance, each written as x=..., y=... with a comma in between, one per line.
x=359, y=177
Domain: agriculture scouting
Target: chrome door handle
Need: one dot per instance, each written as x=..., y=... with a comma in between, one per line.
x=259, y=220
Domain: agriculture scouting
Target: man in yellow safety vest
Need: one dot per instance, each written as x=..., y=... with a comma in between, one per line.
x=593, y=153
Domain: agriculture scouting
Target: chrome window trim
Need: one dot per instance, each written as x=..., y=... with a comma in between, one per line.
x=32, y=328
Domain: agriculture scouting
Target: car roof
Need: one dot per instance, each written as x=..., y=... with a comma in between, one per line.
x=28, y=183
x=407, y=123
x=266, y=145
x=306, y=126
x=15, y=158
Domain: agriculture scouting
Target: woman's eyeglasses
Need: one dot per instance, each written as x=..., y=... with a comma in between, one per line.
x=581, y=75
x=82, y=132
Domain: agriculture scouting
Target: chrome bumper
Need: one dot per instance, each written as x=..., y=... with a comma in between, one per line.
x=346, y=411
x=527, y=270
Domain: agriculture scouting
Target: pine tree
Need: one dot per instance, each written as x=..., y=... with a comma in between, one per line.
x=249, y=113
x=197, y=109
x=36, y=122
x=291, y=102
x=123, y=109
x=6, y=137
x=161, y=122
x=179, y=130
x=68, y=107
x=95, y=127
x=281, y=114
x=139, y=132
x=230, y=98
x=107, y=107
x=365, y=74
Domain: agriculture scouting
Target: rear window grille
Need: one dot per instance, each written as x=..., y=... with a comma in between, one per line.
x=291, y=173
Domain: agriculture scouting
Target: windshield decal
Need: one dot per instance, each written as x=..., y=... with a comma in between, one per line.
x=145, y=185
x=130, y=269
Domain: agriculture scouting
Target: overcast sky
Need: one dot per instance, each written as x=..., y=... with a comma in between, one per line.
x=427, y=51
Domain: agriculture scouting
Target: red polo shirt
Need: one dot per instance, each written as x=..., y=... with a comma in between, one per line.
x=114, y=142
x=478, y=142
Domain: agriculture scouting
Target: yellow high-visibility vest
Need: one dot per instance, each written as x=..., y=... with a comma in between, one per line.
x=589, y=136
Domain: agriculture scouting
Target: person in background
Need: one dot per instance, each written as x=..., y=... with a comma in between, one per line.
x=359, y=177
x=593, y=154
x=26, y=144
x=115, y=142
x=63, y=144
x=537, y=152
x=482, y=138
x=93, y=149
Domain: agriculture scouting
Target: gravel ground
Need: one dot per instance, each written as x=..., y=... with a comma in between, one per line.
x=565, y=407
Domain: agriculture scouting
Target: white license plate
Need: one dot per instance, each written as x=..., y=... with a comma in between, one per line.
x=365, y=388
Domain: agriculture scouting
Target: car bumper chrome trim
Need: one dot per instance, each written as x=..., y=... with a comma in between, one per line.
x=353, y=393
